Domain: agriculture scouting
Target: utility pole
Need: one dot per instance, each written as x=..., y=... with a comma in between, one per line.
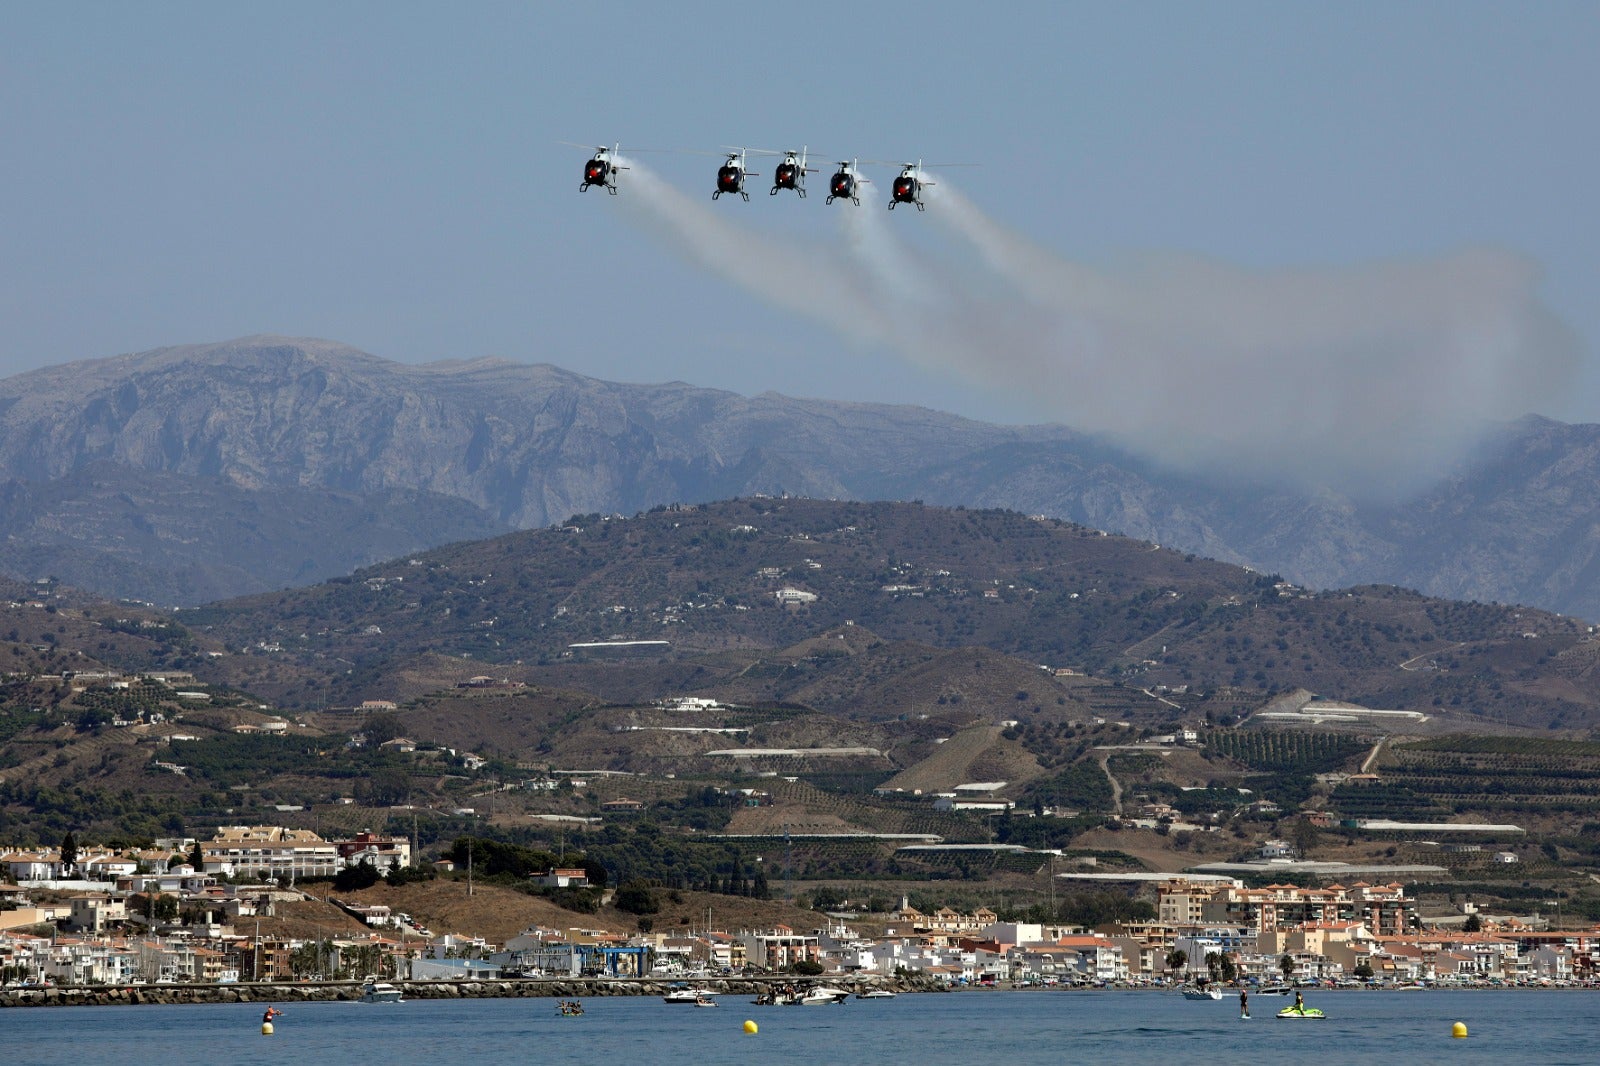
x=1052, y=886
x=788, y=866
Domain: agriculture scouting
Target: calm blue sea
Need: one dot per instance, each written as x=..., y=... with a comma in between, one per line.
x=959, y=1029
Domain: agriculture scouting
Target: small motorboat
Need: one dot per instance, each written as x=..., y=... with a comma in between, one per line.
x=688, y=995
x=703, y=1002
x=876, y=993
x=1202, y=993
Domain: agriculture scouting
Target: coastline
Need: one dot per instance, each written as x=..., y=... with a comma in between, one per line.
x=537, y=988
x=350, y=991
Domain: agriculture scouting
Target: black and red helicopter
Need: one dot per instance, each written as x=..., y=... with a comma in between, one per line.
x=907, y=188
x=731, y=175
x=602, y=169
x=912, y=180
x=791, y=173
x=846, y=182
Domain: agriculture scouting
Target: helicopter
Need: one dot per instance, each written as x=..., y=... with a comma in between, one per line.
x=731, y=175
x=846, y=184
x=791, y=173
x=602, y=169
x=908, y=186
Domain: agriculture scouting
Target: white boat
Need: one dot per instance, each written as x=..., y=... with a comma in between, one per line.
x=876, y=993
x=688, y=995
x=380, y=992
x=822, y=996
x=1202, y=993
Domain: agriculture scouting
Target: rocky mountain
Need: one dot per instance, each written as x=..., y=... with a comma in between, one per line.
x=192, y=473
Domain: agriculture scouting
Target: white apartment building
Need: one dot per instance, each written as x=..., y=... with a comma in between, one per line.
x=270, y=851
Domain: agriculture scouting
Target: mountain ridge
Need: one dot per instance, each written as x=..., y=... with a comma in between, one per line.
x=742, y=588
x=528, y=445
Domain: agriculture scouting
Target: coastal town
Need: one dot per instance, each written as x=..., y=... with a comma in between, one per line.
x=190, y=912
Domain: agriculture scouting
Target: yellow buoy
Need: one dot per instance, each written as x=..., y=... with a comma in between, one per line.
x=266, y=1028
x=1459, y=1030
x=750, y=1027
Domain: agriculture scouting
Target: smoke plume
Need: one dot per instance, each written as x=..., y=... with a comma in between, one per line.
x=1369, y=379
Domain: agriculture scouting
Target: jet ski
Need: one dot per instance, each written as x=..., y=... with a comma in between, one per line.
x=1301, y=1012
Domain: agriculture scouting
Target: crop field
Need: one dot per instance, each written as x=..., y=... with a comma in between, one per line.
x=1284, y=752
x=1533, y=775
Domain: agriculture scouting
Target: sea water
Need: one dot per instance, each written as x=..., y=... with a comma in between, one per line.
x=1537, y=1028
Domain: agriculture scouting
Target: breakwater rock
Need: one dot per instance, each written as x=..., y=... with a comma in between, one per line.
x=334, y=991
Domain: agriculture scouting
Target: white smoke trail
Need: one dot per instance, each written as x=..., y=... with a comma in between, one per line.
x=1367, y=379
x=937, y=317
x=790, y=274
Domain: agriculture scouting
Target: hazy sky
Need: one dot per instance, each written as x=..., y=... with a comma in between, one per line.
x=389, y=175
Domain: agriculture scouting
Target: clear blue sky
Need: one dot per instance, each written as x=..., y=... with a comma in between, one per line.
x=388, y=174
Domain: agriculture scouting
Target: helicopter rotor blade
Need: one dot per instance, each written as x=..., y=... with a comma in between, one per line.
x=615, y=148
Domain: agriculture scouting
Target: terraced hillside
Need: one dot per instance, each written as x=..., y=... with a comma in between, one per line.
x=1545, y=781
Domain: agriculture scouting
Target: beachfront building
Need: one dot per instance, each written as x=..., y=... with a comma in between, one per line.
x=1098, y=958
x=1383, y=909
x=779, y=947
x=1319, y=949
x=270, y=851
x=1079, y=959
x=72, y=961
x=950, y=965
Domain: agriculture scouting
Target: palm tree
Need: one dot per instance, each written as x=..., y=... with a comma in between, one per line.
x=1177, y=959
x=1226, y=967
x=1286, y=964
